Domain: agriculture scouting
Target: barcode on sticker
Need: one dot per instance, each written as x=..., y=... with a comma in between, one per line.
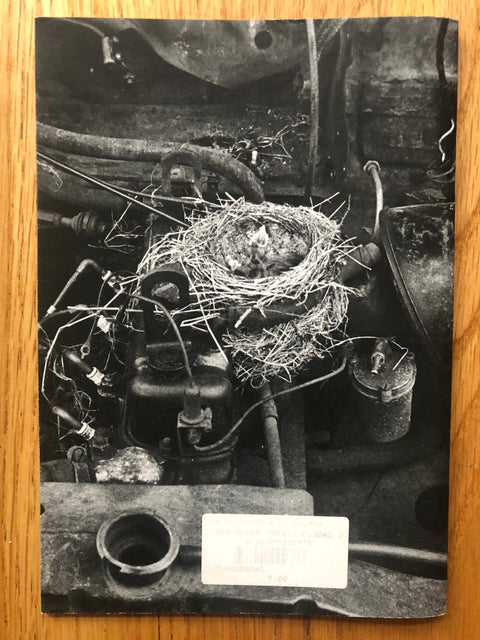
x=275, y=550
x=269, y=555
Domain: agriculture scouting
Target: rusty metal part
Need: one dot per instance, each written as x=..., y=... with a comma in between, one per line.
x=193, y=419
x=182, y=157
x=69, y=526
x=81, y=464
x=137, y=547
x=272, y=437
x=255, y=48
x=170, y=287
x=131, y=149
x=85, y=224
x=154, y=401
x=382, y=400
x=380, y=353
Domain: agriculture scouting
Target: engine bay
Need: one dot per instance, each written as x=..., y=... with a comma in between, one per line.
x=187, y=364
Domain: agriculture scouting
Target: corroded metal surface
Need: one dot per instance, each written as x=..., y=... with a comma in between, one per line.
x=73, y=578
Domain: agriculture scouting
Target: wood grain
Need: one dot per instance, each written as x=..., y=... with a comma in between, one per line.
x=19, y=562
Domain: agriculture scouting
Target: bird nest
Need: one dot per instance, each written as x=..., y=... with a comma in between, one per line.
x=255, y=255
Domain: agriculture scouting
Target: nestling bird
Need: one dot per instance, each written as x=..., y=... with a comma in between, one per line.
x=258, y=246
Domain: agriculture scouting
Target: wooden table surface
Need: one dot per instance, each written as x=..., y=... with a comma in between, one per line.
x=20, y=616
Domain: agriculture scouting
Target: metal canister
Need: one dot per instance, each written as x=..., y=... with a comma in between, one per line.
x=382, y=394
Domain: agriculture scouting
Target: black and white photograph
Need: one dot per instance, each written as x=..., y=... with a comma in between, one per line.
x=245, y=302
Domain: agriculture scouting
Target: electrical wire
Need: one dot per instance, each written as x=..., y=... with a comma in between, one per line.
x=107, y=187
x=297, y=387
x=85, y=348
x=156, y=196
x=119, y=289
x=50, y=351
x=57, y=334
x=443, y=137
x=56, y=314
x=366, y=502
x=80, y=23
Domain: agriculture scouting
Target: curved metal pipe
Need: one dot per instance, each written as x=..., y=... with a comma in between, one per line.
x=150, y=150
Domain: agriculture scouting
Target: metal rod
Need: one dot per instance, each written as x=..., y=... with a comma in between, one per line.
x=71, y=281
x=272, y=437
x=314, y=107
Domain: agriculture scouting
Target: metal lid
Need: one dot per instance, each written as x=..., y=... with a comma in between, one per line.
x=394, y=379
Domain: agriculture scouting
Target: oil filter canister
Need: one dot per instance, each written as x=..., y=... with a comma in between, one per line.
x=382, y=394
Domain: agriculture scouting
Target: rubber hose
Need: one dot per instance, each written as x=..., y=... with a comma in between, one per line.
x=150, y=151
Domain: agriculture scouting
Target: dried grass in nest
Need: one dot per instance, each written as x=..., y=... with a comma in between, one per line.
x=302, y=257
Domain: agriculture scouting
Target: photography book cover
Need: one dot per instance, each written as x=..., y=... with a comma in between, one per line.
x=245, y=297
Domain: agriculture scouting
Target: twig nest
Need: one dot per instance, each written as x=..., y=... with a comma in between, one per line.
x=255, y=255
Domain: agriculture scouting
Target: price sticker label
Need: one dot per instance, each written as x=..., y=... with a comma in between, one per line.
x=275, y=550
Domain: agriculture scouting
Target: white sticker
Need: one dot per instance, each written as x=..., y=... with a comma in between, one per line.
x=272, y=550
